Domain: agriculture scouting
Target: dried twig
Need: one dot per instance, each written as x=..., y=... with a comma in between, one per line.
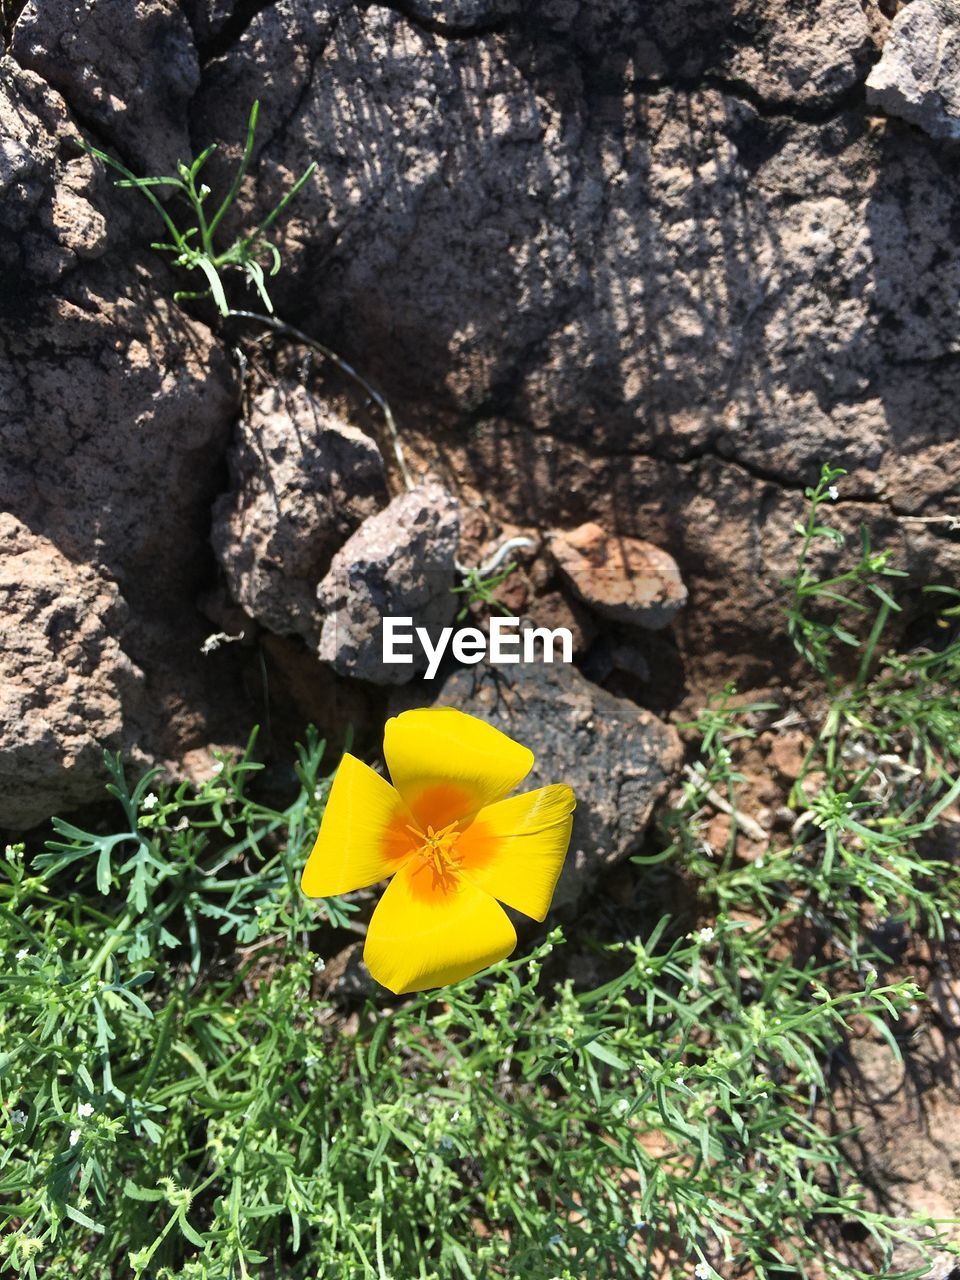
x=748, y=825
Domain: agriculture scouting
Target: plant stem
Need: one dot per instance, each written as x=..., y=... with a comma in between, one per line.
x=290, y=331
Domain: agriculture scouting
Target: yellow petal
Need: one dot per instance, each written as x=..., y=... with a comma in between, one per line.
x=447, y=764
x=428, y=931
x=363, y=836
x=514, y=850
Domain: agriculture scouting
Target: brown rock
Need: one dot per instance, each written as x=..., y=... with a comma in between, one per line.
x=399, y=563
x=621, y=578
x=674, y=301
x=302, y=481
x=47, y=221
x=788, y=750
x=63, y=677
x=944, y=996
x=129, y=69
x=554, y=610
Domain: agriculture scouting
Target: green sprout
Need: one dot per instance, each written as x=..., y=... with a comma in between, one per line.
x=194, y=248
x=814, y=636
x=479, y=586
x=481, y=580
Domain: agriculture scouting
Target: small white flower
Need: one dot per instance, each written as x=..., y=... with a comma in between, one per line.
x=311, y=1060
x=150, y=801
x=319, y=965
x=18, y=1118
x=218, y=767
x=762, y=1185
x=22, y=953
x=706, y=934
x=833, y=493
x=74, y=1137
x=703, y=1271
x=85, y=1109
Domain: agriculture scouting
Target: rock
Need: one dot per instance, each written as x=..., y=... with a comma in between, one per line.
x=918, y=75
x=619, y=759
x=128, y=70
x=553, y=609
x=621, y=578
x=302, y=480
x=63, y=677
x=116, y=410
x=610, y=657
x=116, y=405
x=399, y=563
x=133, y=401
x=47, y=222
x=695, y=266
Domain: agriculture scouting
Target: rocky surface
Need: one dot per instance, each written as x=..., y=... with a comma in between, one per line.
x=129, y=70
x=116, y=413
x=693, y=263
x=47, y=221
x=64, y=679
x=918, y=77
x=642, y=265
x=624, y=579
x=399, y=563
x=618, y=759
x=302, y=480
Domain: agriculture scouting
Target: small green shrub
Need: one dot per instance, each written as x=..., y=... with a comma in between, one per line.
x=194, y=248
x=179, y=1105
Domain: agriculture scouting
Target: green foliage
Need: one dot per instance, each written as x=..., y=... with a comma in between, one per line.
x=816, y=635
x=194, y=248
x=178, y=1103
x=479, y=585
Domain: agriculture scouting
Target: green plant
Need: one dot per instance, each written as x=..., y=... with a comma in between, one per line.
x=814, y=634
x=195, y=247
x=181, y=1102
x=479, y=585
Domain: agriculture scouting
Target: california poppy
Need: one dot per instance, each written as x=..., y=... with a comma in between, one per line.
x=450, y=843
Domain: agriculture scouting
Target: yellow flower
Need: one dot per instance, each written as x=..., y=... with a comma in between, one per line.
x=450, y=841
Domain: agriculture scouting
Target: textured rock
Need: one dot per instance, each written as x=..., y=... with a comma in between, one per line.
x=648, y=265
x=116, y=406
x=918, y=76
x=47, y=223
x=624, y=579
x=301, y=481
x=585, y=247
x=399, y=563
x=129, y=70
x=116, y=410
x=63, y=677
x=618, y=759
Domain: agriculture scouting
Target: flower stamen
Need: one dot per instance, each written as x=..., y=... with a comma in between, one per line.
x=437, y=849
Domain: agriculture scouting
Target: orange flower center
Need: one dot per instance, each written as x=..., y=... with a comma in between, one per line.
x=438, y=850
